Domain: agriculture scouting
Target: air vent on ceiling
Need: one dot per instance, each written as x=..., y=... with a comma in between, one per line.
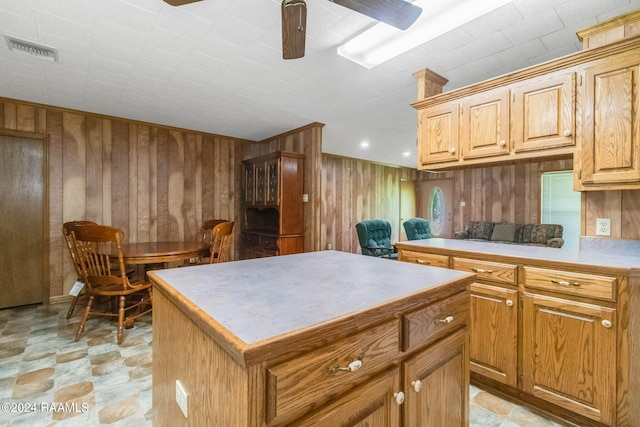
x=31, y=48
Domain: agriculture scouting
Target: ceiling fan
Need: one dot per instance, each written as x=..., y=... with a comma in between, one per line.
x=397, y=13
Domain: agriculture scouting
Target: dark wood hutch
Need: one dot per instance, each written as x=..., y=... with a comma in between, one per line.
x=273, y=211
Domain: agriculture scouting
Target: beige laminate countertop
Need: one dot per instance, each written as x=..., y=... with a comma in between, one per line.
x=257, y=300
x=526, y=253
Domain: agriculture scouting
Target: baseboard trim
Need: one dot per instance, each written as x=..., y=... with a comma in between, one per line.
x=60, y=299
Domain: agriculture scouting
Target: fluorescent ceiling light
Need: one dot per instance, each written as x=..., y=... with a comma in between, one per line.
x=381, y=42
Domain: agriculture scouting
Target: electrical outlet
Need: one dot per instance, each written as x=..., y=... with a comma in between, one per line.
x=182, y=398
x=603, y=227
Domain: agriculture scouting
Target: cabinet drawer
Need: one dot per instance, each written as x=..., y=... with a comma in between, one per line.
x=567, y=282
x=435, y=320
x=269, y=242
x=251, y=239
x=494, y=271
x=426, y=259
x=298, y=386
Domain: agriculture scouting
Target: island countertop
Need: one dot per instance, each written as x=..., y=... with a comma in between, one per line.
x=254, y=302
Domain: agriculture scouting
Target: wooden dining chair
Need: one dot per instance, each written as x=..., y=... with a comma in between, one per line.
x=207, y=236
x=67, y=228
x=92, y=244
x=221, y=242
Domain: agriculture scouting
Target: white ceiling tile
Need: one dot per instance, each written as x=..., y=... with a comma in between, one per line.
x=23, y=26
x=546, y=22
x=63, y=27
x=118, y=35
x=126, y=15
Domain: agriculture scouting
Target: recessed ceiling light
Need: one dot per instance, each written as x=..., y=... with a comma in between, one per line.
x=364, y=144
x=406, y=153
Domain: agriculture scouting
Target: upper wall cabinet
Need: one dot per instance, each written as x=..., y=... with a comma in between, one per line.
x=531, y=118
x=544, y=113
x=609, y=136
x=485, y=125
x=583, y=106
x=438, y=134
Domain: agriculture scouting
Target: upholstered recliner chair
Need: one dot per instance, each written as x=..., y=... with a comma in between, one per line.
x=417, y=228
x=374, y=236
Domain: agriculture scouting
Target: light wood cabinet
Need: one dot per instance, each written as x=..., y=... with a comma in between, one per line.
x=583, y=105
x=543, y=110
x=532, y=118
x=550, y=329
x=609, y=138
x=494, y=333
x=438, y=134
x=569, y=355
x=494, y=318
x=426, y=259
x=273, y=207
x=372, y=405
x=435, y=385
x=485, y=125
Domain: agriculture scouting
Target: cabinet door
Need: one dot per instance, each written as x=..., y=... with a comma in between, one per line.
x=543, y=113
x=569, y=355
x=438, y=134
x=372, y=404
x=260, y=175
x=249, y=184
x=272, y=186
x=610, y=139
x=485, y=125
x=494, y=333
x=436, y=384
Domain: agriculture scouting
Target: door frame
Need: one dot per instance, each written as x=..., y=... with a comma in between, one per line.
x=46, y=235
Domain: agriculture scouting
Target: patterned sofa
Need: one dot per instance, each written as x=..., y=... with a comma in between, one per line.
x=549, y=235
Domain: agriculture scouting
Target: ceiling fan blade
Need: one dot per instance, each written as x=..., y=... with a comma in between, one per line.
x=180, y=2
x=294, y=28
x=397, y=13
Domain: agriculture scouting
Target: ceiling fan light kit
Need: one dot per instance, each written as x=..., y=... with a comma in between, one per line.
x=294, y=28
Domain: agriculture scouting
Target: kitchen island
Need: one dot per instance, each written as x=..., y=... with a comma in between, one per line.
x=555, y=329
x=318, y=338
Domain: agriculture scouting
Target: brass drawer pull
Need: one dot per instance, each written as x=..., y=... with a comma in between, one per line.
x=422, y=261
x=447, y=319
x=353, y=366
x=565, y=283
x=481, y=270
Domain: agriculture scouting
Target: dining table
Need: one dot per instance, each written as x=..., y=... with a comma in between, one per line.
x=155, y=254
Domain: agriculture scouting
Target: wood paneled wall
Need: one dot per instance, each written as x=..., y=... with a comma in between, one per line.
x=622, y=207
x=354, y=190
x=156, y=183
x=511, y=193
x=506, y=193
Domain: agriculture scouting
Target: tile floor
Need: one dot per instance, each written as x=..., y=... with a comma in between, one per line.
x=47, y=379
